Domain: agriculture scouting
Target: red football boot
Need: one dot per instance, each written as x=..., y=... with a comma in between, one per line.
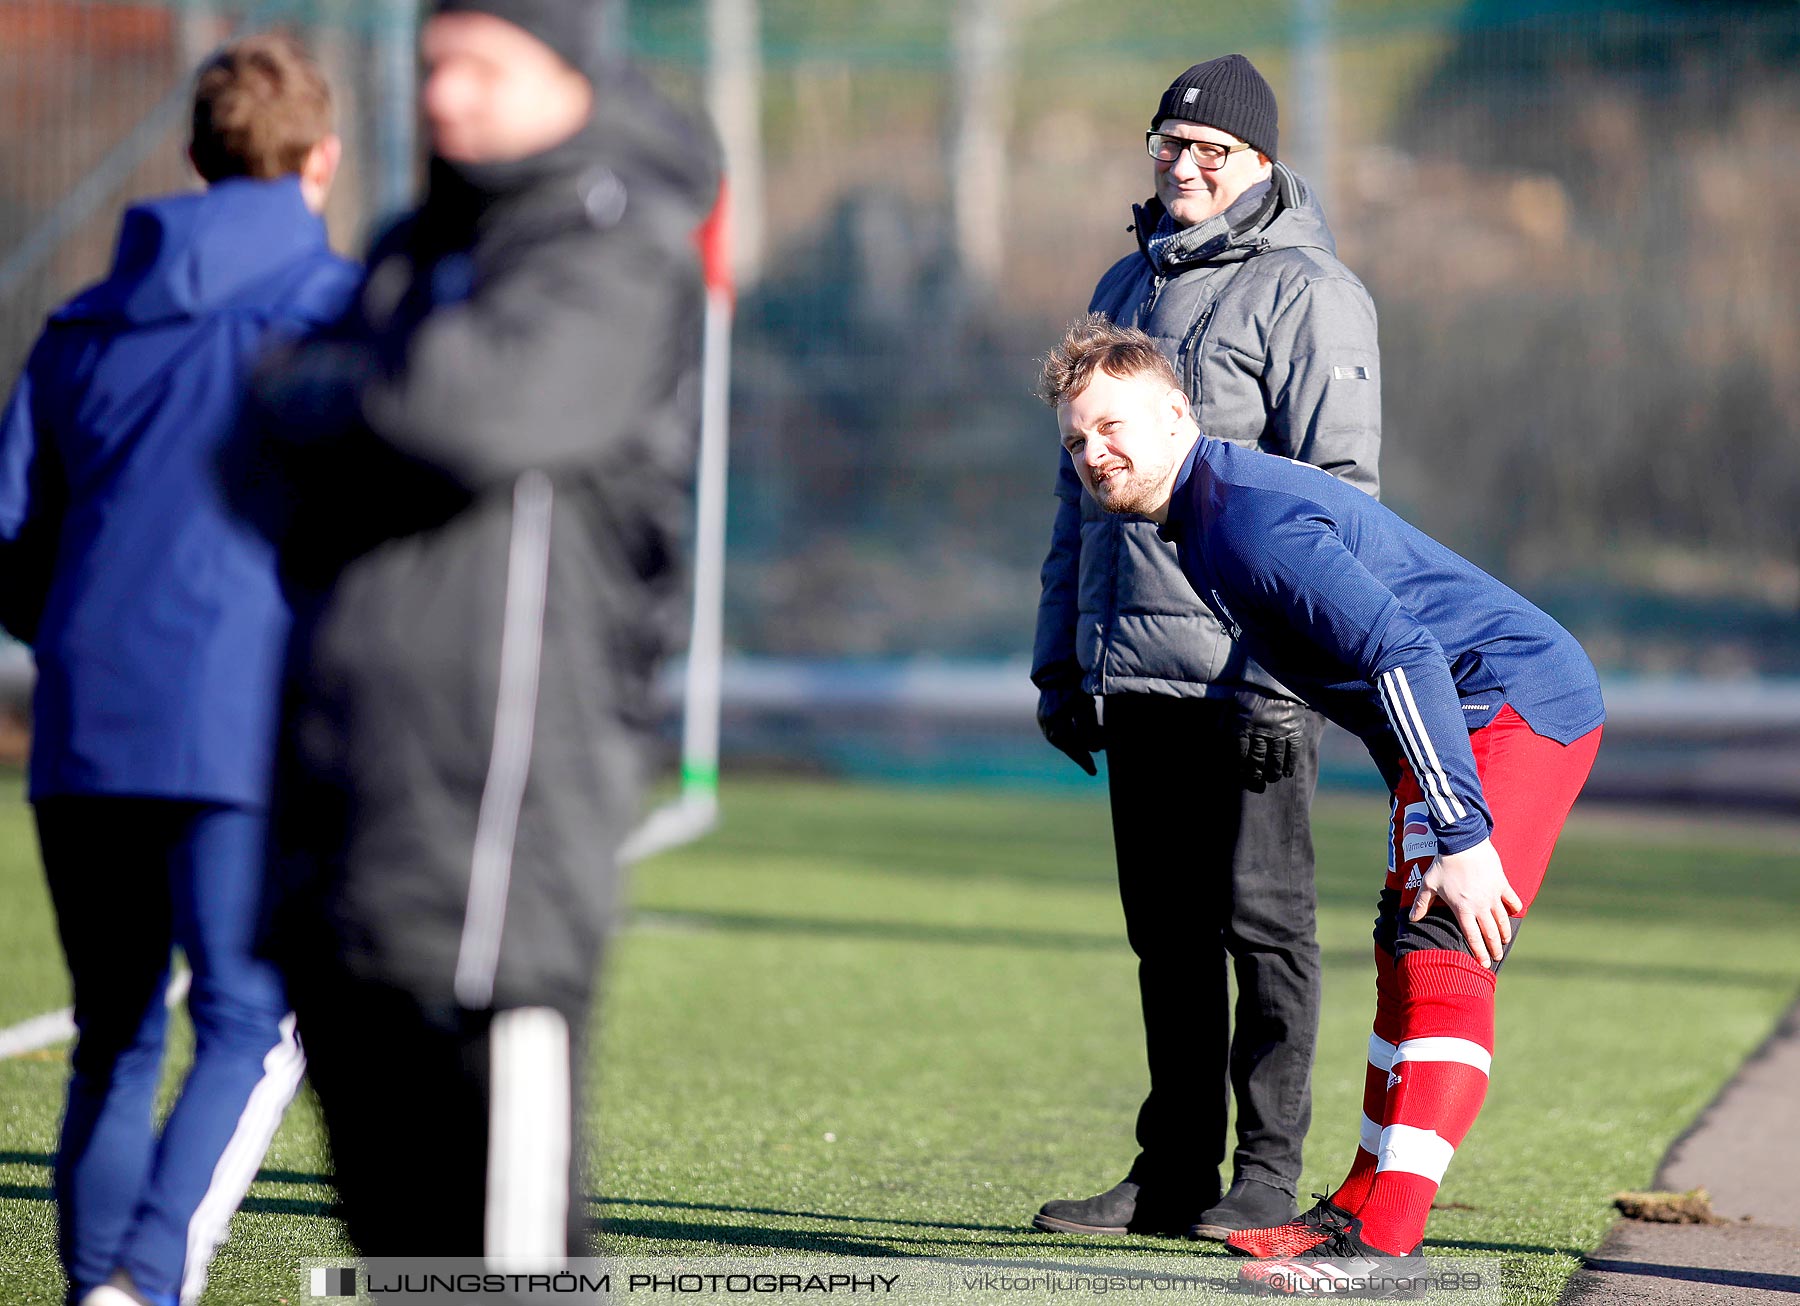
x=1297, y=1236
x=1342, y=1266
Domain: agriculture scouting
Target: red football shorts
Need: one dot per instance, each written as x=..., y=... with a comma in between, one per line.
x=1530, y=783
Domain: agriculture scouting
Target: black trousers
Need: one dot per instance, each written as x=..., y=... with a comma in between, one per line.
x=453, y=1132
x=1210, y=872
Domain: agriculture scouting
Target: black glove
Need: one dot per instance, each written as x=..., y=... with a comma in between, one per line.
x=1269, y=732
x=1069, y=721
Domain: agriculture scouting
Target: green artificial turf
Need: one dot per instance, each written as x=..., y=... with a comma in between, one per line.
x=893, y=1022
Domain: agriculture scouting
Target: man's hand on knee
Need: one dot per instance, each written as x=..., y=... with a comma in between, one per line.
x=1473, y=887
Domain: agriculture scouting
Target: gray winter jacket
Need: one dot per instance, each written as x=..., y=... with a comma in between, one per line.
x=1274, y=339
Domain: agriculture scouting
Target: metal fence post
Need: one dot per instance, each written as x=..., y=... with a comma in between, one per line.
x=398, y=115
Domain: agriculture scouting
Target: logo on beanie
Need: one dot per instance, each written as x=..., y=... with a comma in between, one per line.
x=1193, y=93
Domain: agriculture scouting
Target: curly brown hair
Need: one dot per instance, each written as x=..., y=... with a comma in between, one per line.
x=260, y=105
x=1094, y=342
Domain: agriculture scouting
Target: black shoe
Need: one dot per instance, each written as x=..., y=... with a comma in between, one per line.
x=1343, y=1266
x=1249, y=1205
x=1124, y=1208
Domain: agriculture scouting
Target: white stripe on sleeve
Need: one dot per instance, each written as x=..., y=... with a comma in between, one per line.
x=1403, y=713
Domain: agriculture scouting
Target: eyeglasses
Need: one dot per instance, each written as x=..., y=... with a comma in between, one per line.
x=1165, y=148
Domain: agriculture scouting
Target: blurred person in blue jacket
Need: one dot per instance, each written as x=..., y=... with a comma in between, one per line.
x=159, y=628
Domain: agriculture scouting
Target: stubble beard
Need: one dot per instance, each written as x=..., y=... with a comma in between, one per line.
x=1129, y=492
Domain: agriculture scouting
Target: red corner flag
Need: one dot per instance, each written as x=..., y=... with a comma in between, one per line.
x=714, y=238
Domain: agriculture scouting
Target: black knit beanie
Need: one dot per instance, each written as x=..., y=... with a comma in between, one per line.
x=575, y=29
x=1227, y=93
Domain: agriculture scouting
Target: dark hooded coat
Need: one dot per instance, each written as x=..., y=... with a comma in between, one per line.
x=479, y=480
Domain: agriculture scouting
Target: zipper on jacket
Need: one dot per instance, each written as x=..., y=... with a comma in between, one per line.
x=1190, y=350
x=1157, y=282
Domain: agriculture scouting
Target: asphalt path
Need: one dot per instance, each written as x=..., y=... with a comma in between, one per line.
x=1745, y=1151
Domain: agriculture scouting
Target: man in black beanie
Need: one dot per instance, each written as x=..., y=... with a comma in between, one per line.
x=574, y=29
x=478, y=481
x=1237, y=280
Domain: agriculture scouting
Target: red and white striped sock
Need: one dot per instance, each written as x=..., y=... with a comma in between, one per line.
x=1437, y=1083
x=1351, y=1194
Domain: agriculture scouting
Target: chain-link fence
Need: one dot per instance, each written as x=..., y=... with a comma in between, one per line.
x=1575, y=220
x=98, y=99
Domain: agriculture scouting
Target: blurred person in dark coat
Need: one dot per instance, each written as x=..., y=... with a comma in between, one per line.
x=159, y=624
x=1237, y=279
x=478, y=480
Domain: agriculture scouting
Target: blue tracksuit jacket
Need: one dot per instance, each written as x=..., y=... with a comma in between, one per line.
x=1374, y=623
x=155, y=615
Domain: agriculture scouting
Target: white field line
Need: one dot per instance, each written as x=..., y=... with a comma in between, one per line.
x=39, y=1032
x=667, y=827
x=55, y=1027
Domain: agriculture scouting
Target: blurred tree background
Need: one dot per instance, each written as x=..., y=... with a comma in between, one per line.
x=1575, y=218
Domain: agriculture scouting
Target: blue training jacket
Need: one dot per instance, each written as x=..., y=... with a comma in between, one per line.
x=1373, y=622
x=155, y=614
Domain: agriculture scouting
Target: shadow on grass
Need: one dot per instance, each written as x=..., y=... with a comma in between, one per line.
x=27, y=1192
x=315, y=1208
x=884, y=931
x=291, y=1177
x=260, y=1205
x=1467, y=1245
x=264, y=1176
x=670, y=1204
x=1698, y=1274
x=744, y=1235
x=1015, y=1240
x=1074, y=941
x=726, y=1236
x=267, y=1205
x=321, y=1208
